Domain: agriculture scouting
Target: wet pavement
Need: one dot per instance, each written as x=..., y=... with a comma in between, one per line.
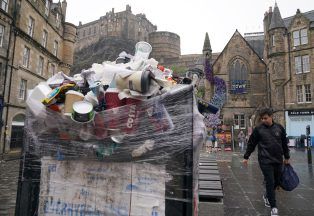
x=8, y=185
x=243, y=189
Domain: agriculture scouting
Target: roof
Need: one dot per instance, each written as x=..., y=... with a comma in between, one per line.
x=207, y=46
x=309, y=15
x=256, y=43
x=276, y=20
x=248, y=44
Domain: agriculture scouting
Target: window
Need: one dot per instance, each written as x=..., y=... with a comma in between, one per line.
x=4, y=5
x=30, y=27
x=55, y=48
x=300, y=37
x=57, y=20
x=307, y=91
x=299, y=94
x=239, y=121
x=272, y=42
x=22, y=89
x=296, y=38
x=306, y=63
x=1, y=35
x=26, y=55
x=44, y=39
x=302, y=64
x=304, y=93
x=52, y=69
x=304, y=39
x=40, y=68
x=238, y=76
x=47, y=7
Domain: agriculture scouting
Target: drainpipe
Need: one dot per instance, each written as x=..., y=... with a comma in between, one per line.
x=10, y=80
x=269, y=84
x=286, y=82
x=5, y=82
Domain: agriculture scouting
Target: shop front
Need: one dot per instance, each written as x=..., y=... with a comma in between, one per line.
x=296, y=122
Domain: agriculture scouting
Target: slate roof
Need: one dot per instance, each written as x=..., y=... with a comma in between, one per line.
x=309, y=15
x=276, y=20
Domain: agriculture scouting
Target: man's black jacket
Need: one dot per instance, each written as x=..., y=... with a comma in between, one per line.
x=272, y=144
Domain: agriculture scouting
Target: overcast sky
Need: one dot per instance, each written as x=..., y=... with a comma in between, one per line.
x=191, y=19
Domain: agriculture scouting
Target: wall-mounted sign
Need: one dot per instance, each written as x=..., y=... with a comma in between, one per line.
x=238, y=86
x=301, y=112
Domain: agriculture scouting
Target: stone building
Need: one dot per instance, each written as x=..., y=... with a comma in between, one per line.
x=289, y=55
x=41, y=44
x=244, y=75
x=5, y=29
x=105, y=38
x=124, y=24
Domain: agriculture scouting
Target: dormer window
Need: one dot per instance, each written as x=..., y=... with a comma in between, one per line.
x=300, y=37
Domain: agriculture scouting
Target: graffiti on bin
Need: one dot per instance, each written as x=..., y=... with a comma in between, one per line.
x=73, y=209
x=96, y=188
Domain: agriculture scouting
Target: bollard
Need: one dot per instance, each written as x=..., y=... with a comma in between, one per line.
x=308, y=142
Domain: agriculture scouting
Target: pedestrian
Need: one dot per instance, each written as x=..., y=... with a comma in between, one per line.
x=272, y=143
x=209, y=144
x=241, y=140
x=215, y=143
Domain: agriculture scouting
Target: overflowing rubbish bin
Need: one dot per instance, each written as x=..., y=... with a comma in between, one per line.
x=138, y=158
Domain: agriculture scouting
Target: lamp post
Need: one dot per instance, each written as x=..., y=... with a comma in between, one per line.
x=308, y=142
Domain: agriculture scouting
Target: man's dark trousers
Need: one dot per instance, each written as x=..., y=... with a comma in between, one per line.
x=272, y=174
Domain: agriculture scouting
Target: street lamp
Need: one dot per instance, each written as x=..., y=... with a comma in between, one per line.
x=308, y=142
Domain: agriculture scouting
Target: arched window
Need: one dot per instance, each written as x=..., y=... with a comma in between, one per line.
x=238, y=76
x=17, y=131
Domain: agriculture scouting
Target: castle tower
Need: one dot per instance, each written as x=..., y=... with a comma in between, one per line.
x=165, y=45
x=276, y=60
x=276, y=32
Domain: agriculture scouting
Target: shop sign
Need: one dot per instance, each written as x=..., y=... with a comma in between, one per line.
x=238, y=86
x=301, y=112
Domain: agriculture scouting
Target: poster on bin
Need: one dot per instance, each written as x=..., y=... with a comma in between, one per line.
x=98, y=188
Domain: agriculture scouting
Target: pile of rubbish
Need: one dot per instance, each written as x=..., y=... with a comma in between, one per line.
x=127, y=80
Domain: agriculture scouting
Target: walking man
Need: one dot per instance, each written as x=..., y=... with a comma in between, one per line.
x=272, y=144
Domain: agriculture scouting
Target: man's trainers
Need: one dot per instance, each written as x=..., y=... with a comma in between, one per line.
x=274, y=212
x=267, y=204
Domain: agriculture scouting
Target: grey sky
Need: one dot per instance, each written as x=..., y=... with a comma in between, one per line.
x=191, y=19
